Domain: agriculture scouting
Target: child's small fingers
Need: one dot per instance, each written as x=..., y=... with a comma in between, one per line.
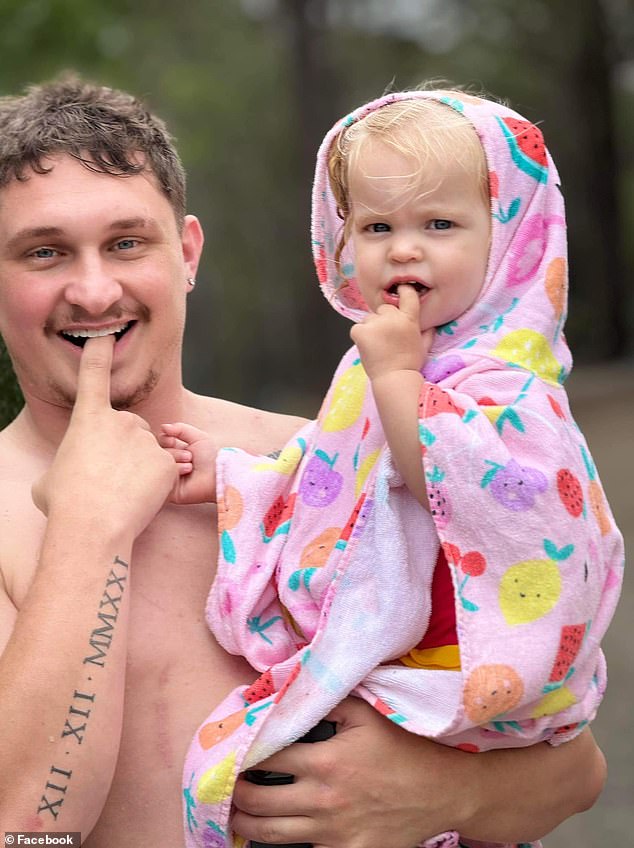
x=184, y=468
x=187, y=433
x=179, y=455
x=171, y=442
x=171, y=429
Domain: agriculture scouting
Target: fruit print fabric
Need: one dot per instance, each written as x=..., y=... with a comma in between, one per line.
x=496, y=434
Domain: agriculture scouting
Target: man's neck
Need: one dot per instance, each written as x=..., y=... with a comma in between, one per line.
x=44, y=424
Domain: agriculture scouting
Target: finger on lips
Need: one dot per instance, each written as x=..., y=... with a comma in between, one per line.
x=93, y=379
x=408, y=299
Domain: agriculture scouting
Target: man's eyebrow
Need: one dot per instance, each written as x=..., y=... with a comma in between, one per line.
x=33, y=233
x=133, y=223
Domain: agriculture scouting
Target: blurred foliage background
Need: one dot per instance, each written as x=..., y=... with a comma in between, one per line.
x=249, y=87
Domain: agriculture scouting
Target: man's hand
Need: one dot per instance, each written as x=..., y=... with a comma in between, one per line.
x=374, y=785
x=390, y=339
x=369, y=786
x=109, y=465
x=195, y=454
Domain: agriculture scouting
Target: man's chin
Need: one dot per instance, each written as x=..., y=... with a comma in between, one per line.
x=123, y=400
x=120, y=398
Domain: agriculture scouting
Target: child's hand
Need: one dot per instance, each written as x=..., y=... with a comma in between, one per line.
x=390, y=339
x=195, y=455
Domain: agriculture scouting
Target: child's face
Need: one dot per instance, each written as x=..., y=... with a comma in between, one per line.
x=434, y=233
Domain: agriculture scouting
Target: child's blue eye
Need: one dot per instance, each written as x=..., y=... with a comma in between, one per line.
x=441, y=224
x=379, y=227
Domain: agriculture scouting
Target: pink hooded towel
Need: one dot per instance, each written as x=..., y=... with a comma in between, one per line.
x=326, y=560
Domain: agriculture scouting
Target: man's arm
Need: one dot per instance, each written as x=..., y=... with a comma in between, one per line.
x=374, y=784
x=63, y=668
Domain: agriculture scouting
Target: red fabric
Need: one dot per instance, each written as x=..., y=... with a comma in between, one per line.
x=442, y=623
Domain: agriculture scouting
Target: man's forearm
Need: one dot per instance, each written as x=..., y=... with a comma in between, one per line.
x=522, y=794
x=62, y=679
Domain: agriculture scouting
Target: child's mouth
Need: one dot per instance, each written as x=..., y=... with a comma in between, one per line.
x=418, y=287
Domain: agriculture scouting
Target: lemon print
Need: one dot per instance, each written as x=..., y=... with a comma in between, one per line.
x=347, y=399
x=216, y=784
x=529, y=590
x=364, y=470
x=286, y=462
x=554, y=702
x=529, y=349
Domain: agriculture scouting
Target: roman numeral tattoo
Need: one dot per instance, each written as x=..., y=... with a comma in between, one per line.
x=101, y=637
x=79, y=711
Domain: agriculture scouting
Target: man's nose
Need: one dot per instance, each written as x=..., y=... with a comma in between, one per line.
x=93, y=287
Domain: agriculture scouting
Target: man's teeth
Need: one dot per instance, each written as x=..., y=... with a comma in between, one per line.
x=79, y=337
x=93, y=334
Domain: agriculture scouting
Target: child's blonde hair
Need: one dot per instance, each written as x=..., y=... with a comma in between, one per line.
x=424, y=130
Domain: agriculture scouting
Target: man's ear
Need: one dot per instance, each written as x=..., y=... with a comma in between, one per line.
x=192, y=240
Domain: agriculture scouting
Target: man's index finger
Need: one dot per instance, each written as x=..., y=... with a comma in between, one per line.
x=93, y=379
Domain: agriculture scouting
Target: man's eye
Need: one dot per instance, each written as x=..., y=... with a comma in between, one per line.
x=440, y=224
x=126, y=244
x=379, y=227
x=44, y=253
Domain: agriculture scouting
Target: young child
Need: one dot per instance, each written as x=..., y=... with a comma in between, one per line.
x=438, y=541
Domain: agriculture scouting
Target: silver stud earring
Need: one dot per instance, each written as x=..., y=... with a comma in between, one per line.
x=191, y=281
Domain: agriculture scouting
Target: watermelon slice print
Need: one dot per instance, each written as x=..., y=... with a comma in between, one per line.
x=570, y=641
x=278, y=517
x=434, y=401
x=527, y=147
x=260, y=688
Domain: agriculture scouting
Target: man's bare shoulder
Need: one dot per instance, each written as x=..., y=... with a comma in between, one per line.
x=236, y=425
x=22, y=454
x=21, y=525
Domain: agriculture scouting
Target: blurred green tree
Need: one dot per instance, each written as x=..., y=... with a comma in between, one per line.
x=11, y=400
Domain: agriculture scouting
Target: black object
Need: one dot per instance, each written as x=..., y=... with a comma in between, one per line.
x=322, y=731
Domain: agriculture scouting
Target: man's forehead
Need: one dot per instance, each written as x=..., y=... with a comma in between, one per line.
x=67, y=187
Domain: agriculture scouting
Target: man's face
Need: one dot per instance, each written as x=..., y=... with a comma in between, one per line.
x=85, y=253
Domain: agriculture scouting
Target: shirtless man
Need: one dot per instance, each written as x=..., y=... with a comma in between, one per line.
x=107, y=665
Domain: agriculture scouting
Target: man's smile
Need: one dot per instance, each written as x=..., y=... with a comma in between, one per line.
x=78, y=336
